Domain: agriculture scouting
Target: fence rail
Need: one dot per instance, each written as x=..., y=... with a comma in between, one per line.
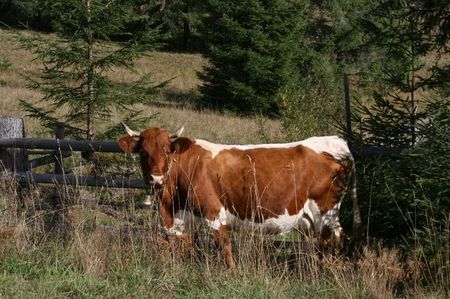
x=31, y=178
x=15, y=151
x=62, y=144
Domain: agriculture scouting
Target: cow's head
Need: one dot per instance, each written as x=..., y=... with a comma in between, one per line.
x=154, y=147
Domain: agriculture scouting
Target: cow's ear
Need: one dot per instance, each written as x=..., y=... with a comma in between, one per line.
x=128, y=144
x=180, y=145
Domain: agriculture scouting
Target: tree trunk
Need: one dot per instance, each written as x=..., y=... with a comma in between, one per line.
x=413, y=87
x=14, y=159
x=186, y=28
x=90, y=75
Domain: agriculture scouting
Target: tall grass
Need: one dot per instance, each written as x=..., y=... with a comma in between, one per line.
x=82, y=252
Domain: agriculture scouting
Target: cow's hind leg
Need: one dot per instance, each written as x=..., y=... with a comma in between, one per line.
x=224, y=242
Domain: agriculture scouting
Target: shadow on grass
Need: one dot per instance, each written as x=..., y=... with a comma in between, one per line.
x=181, y=99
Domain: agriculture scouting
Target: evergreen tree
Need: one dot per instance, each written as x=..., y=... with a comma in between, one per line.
x=252, y=50
x=435, y=25
x=394, y=114
x=30, y=13
x=182, y=24
x=74, y=79
x=408, y=193
x=333, y=44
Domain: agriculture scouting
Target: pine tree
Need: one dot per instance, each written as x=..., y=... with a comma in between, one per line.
x=408, y=192
x=252, y=50
x=182, y=24
x=333, y=45
x=74, y=78
x=392, y=119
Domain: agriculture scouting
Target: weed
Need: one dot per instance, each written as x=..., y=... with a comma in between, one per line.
x=5, y=63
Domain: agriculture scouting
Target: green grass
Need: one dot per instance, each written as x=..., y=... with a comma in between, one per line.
x=54, y=270
x=89, y=262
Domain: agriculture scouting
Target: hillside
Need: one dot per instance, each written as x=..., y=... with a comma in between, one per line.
x=174, y=107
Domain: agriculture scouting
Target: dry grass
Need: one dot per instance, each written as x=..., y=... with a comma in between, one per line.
x=179, y=68
x=84, y=253
x=214, y=126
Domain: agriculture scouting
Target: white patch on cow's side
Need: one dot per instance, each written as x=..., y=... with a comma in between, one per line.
x=158, y=179
x=334, y=145
x=308, y=220
x=217, y=223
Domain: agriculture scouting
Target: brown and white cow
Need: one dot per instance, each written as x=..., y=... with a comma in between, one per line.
x=278, y=187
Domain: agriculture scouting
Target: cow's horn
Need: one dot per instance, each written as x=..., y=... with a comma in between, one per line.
x=130, y=132
x=178, y=132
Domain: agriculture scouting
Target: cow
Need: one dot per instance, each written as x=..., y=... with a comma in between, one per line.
x=277, y=187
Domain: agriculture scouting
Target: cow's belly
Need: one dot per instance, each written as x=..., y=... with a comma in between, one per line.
x=281, y=225
x=307, y=220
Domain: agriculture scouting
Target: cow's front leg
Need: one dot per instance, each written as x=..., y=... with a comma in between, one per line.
x=217, y=222
x=175, y=226
x=173, y=223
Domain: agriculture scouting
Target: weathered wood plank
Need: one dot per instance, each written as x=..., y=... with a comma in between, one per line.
x=47, y=160
x=64, y=145
x=113, y=147
x=47, y=178
x=373, y=150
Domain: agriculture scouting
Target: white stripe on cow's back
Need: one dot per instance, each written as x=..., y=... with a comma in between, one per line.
x=334, y=145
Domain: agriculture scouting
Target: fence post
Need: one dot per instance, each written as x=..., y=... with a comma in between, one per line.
x=14, y=159
x=59, y=216
x=59, y=163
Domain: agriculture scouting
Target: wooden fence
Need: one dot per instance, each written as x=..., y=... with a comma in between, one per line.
x=15, y=151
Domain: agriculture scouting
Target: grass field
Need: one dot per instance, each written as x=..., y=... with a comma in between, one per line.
x=180, y=68
x=78, y=250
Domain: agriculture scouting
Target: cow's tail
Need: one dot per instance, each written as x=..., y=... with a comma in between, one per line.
x=355, y=207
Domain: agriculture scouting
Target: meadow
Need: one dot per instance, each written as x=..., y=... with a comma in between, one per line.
x=77, y=250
